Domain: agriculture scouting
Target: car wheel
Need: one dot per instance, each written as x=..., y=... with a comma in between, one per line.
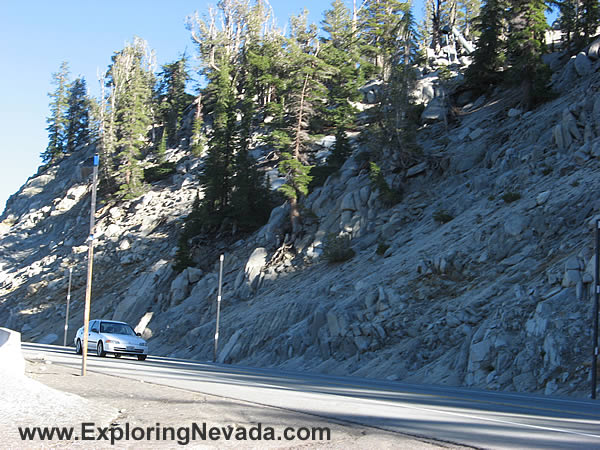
x=100, y=349
x=78, y=347
x=117, y=355
x=141, y=357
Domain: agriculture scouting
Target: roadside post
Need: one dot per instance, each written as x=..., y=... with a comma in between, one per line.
x=595, y=313
x=68, y=304
x=218, y=307
x=88, y=286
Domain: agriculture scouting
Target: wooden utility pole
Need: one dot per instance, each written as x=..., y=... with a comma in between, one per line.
x=88, y=286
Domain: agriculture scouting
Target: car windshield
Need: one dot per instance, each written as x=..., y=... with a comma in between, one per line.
x=116, y=328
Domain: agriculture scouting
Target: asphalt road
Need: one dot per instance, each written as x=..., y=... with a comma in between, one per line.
x=470, y=417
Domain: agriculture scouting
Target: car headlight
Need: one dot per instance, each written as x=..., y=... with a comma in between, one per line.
x=112, y=341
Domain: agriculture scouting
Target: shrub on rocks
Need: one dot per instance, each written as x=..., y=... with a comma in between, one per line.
x=337, y=248
x=442, y=216
x=510, y=197
x=160, y=172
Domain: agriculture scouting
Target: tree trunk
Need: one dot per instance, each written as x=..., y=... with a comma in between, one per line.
x=295, y=218
x=297, y=141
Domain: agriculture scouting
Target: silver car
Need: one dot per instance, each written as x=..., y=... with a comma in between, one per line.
x=109, y=336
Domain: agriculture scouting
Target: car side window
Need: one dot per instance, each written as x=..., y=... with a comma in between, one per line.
x=94, y=325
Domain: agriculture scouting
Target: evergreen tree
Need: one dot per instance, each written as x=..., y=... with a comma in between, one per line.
x=341, y=149
x=218, y=171
x=381, y=26
x=57, y=121
x=161, y=151
x=127, y=117
x=467, y=12
x=305, y=86
x=488, y=58
x=234, y=190
x=250, y=199
x=78, y=131
x=198, y=139
x=340, y=53
x=396, y=111
x=526, y=44
x=589, y=14
x=172, y=96
x=568, y=20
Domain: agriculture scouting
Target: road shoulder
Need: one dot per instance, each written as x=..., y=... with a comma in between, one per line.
x=144, y=405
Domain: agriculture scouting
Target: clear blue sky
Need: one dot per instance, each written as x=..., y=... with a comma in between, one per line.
x=37, y=35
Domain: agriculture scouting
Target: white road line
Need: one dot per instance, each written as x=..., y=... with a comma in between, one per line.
x=505, y=422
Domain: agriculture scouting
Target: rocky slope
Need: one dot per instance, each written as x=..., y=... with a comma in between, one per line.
x=486, y=281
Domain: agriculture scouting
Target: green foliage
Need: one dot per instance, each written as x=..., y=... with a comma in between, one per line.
x=341, y=149
x=588, y=19
x=251, y=201
x=488, y=58
x=341, y=53
x=126, y=115
x=393, y=127
x=510, y=197
x=172, y=97
x=362, y=158
x=444, y=74
x=442, y=216
x=382, y=247
x=57, y=121
x=159, y=173
x=78, y=131
x=526, y=43
x=387, y=195
x=198, y=141
x=161, y=151
x=297, y=176
x=578, y=22
x=336, y=249
x=383, y=24
x=182, y=256
x=319, y=175
x=218, y=171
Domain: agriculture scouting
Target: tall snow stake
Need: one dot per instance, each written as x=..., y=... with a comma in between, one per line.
x=218, y=307
x=88, y=286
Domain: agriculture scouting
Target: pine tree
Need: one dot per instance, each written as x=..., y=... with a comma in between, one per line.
x=218, y=172
x=466, y=14
x=198, y=139
x=392, y=133
x=381, y=25
x=172, y=96
x=341, y=149
x=488, y=58
x=126, y=118
x=161, y=151
x=589, y=14
x=340, y=53
x=526, y=44
x=78, y=131
x=57, y=121
x=305, y=86
x=250, y=199
x=568, y=20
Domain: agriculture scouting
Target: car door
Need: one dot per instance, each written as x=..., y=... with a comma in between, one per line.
x=93, y=335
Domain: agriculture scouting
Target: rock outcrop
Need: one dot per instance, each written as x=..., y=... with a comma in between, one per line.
x=481, y=276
